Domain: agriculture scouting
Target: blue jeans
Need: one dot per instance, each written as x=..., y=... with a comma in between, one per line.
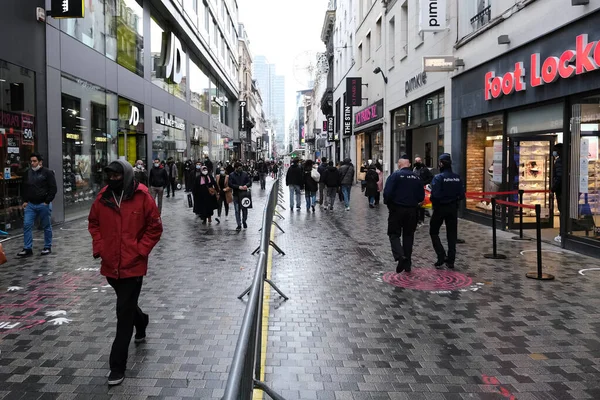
x=238, y=208
x=346, y=193
x=372, y=200
x=295, y=191
x=44, y=213
x=311, y=199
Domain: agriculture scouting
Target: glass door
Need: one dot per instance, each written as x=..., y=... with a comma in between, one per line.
x=530, y=168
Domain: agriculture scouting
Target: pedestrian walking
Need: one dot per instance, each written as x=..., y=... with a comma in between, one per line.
x=208, y=164
x=403, y=193
x=331, y=178
x=311, y=184
x=225, y=194
x=275, y=170
x=188, y=175
x=125, y=226
x=447, y=190
x=205, y=195
x=240, y=182
x=372, y=178
x=158, y=180
x=322, y=186
x=346, y=180
x=379, y=169
x=295, y=180
x=557, y=176
x=172, y=173
x=263, y=171
x=423, y=172
x=140, y=173
x=39, y=190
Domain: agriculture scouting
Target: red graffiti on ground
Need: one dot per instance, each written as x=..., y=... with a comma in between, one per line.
x=492, y=381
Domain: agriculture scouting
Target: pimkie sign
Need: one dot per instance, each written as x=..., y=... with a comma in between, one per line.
x=585, y=58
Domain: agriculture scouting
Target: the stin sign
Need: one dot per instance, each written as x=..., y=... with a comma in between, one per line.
x=585, y=58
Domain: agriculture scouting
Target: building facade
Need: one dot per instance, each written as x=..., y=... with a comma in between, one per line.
x=132, y=79
x=272, y=89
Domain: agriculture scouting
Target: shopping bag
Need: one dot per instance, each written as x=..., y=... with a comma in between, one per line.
x=427, y=202
x=229, y=196
x=246, y=198
x=190, y=200
x=3, y=259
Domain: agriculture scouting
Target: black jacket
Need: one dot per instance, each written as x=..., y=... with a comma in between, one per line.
x=331, y=177
x=310, y=185
x=557, y=174
x=372, y=177
x=158, y=177
x=425, y=174
x=39, y=186
x=403, y=188
x=446, y=188
x=262, y=168
x=294, y=176
x=237, y=179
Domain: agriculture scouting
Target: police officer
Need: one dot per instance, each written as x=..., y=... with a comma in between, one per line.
x=403, y=193
x=447, y=190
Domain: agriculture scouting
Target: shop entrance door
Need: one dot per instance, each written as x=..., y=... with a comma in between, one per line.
x=530, y=166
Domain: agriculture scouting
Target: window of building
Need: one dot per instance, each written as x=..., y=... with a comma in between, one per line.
x=207, y=19
x=378, y=33
x=179, y=89
x=584, y=170
x=484, y=142
x=89, y=142
x=368, y=47
x=215, y=98
x=473, y=15
x=359, y=56
x=191, y=9
x=91, y=29
x=18, y=136
x=216, y=34
x=404, y=30
x=130, y=43
x=392, y=40
x=338, y=115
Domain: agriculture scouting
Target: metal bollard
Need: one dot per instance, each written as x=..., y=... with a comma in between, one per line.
x=539, y=275
x=494, y=255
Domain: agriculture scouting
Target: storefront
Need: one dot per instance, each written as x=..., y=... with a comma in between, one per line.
x=132, y=139
x=368, y=125
x=510, y=113
x=17, y=138
x=168, y=137
x=418, y=130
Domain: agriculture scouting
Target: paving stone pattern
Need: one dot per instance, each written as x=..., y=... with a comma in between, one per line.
x=344, y=334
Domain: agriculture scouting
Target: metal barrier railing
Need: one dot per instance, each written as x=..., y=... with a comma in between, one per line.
x=245, y=371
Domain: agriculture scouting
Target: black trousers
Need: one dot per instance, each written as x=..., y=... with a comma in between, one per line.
x=421, y=214
x=222, y=202
x=129, y=315
x=402, y=222
x=448, y=214
x=171, y=186
x=189, y=180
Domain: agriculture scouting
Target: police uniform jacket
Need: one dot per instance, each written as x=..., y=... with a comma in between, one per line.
x=403, y=188
x=446, y=188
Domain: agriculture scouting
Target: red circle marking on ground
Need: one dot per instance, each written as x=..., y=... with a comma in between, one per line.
x=428, y=279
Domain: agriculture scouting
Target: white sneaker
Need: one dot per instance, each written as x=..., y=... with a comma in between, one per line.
x=347, y=208
x=558, y=239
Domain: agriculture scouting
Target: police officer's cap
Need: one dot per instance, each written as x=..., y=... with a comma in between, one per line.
x=445, y=157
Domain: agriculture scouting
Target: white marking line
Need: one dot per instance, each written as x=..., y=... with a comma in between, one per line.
x=543, y=251
x=56, y=313
x=581, y=272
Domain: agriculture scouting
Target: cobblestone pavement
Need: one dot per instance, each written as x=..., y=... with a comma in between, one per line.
x=484, y=332
x=352, y=329
x=196, y=273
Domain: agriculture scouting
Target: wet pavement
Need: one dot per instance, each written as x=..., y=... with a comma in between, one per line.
x=352, y=329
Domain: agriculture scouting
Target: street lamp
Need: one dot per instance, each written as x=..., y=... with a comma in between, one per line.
x=377, y=71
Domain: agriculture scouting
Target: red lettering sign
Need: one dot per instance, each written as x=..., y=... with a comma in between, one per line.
x=585, y=58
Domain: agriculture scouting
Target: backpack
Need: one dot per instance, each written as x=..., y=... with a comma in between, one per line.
x=314, y=174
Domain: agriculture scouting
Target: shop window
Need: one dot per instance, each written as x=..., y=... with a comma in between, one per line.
x=130, y=36
x=87, y=145
x=156, y=48
x=94, y=29
x=18, y=137
x=399, y=144
x=168, y=137
x=484, y=158
x=132, y=139
x=199, y=87
x=215, y=100
x=584, y=193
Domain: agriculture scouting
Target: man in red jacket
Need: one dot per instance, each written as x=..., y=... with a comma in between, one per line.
x=125, y=225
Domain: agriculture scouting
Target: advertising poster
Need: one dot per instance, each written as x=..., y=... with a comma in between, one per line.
x=584, y=165
x=497, y=163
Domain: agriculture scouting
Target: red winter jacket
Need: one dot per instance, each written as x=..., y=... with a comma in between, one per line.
x=124, y=237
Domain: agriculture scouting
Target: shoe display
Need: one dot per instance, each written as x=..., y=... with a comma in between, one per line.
x=115, y=378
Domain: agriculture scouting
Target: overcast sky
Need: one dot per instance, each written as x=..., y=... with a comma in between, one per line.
x=281, y=30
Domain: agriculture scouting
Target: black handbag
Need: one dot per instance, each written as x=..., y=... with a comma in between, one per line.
x=245, y=198
x=190, y=200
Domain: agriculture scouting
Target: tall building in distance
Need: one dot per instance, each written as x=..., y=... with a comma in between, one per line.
x=272, y=90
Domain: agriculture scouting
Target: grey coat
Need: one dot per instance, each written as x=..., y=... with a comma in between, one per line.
x=347, y=173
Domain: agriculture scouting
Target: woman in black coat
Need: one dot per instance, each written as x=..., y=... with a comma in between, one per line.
x=205, y=202
x=310, y=186
x=372, y=177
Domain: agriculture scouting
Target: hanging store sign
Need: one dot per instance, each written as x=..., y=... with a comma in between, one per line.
x=171, y=59
x=347, y=120
x=258, y=143
x=134, y=118
x=243, y=115
x=369, y=114
x=438, y=64
x=354, y=91
x=171, y=123
x=330, y=127
x=67, y=9
x=585, y=58
x=432, y=15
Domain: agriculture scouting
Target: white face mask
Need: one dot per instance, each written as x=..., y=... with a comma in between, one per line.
x=156, y=165
x=204, y=172
x=36, y=168
x=139, y=166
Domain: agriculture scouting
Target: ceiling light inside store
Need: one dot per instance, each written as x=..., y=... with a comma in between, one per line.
x=489, y=138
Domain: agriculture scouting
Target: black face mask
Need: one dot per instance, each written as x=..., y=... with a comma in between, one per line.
x=116, y=185
x=418, y=165
x=239, y=169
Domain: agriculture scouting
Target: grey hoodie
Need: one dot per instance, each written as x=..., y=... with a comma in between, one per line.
x=347, y=173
